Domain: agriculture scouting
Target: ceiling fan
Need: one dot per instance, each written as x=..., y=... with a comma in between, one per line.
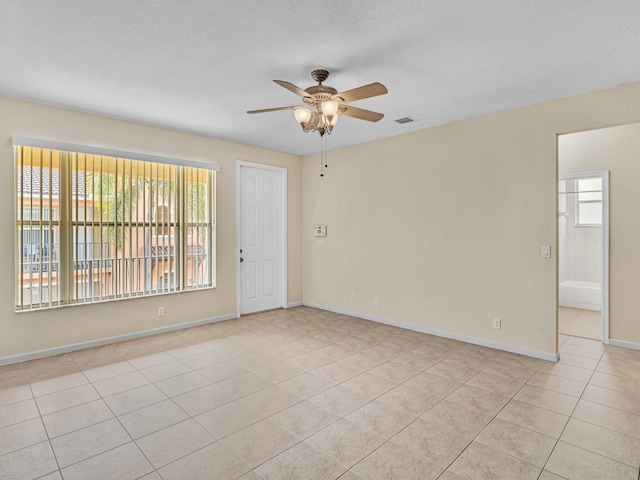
x=323, y=104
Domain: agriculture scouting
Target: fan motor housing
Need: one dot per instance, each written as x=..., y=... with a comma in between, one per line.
x=322, y=92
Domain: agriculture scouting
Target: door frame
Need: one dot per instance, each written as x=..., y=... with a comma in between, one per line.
x=283, y=233
x=604, y=174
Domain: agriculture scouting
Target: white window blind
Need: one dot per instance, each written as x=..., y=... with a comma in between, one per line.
x=93, y=225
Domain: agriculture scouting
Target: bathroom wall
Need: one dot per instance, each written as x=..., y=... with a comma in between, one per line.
x=580, y=247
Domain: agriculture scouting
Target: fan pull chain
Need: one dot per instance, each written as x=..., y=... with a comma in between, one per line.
x=321, y=158
x=325, y=152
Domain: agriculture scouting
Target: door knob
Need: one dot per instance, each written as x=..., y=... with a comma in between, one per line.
x=241, y=259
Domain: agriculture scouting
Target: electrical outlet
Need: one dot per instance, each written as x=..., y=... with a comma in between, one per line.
x=497, y=323
x=376, y=302
x=353, y=297
x=160, y=311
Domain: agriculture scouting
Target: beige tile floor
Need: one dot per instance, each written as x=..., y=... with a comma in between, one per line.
x=580, y=323
x=306, y=394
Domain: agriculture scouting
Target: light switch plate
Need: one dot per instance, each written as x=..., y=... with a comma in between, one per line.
x=545, y=251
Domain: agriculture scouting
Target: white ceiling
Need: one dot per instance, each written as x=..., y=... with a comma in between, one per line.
x=199, y=65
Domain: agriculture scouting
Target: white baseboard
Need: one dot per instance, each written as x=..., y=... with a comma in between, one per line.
x=439, y=333
x=104, y=341
x=294, y=304
x=620, y=343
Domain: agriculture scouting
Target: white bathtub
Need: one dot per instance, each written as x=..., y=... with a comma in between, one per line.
x=587, y=295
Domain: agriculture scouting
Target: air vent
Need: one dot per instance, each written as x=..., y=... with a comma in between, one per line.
x=406, y=120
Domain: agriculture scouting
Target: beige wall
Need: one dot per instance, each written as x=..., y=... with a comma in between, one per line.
x=28, y=332
x=444, y=225
x=616, y=149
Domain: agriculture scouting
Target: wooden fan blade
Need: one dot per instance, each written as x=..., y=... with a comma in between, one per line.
x=292, y=88
x=366, y=91
x=360, y=113
x=264, y=110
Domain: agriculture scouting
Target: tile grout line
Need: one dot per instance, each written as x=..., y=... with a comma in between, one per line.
x=494, y=417
x=333, y=360
x=55, y=457
x=371, y=401
x=571, y=416
x=440, y=401
x=116, y=417
x=171, y=399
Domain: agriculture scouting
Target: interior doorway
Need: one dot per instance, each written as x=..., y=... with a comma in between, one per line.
x=261, y=237
x=583, y=253
x=615, y=150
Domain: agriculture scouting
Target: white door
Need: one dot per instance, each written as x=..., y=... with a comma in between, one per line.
x=261, y=238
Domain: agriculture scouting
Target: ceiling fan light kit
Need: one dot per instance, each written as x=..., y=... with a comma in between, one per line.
x=322, y=118
x=323, y=105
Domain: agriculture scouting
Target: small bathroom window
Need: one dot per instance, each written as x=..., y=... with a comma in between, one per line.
x=589, y=202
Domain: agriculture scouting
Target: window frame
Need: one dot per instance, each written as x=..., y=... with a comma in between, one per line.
x=61, y=218
x=579, y=203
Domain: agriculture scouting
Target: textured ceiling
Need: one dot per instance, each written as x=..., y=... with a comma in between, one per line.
x=199, y=65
